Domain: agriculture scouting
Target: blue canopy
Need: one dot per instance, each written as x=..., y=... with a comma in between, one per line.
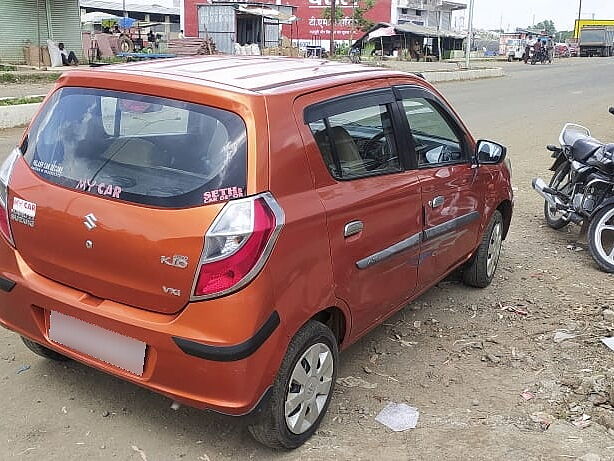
x=126, y=22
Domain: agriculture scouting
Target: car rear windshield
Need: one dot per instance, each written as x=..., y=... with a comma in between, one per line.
x=141, y=149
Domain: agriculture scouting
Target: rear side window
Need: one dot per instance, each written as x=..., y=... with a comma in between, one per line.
x=358, y=143
x=141, y=149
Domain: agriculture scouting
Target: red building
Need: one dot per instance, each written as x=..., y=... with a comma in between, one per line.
x=310, y=27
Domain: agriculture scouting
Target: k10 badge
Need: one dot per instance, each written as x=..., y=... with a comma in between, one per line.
x=23, y=212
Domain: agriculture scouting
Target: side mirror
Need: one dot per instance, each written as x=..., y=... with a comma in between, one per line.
x=489, y=152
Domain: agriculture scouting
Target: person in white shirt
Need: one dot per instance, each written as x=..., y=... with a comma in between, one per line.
x=68, y=58
x=530, y=42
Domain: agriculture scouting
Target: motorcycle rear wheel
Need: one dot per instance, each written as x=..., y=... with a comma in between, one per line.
x=601, y=238
x=556, y=219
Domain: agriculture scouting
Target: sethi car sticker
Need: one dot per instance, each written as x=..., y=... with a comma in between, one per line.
x=220, y=195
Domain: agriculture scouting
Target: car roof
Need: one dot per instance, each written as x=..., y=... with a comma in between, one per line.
x=254, y=73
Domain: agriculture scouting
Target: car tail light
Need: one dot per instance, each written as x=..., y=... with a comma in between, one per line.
x=5, y=176
x=237, y=245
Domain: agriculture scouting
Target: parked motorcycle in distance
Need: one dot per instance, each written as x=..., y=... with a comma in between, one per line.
x=541, y=56
x=582, y=189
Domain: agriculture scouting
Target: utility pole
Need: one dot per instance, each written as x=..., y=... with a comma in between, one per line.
x=333, y=16
x=469, y=34
x=577, y=34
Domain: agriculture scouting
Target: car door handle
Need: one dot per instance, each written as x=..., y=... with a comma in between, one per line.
x=353, y=228
x=436, y=202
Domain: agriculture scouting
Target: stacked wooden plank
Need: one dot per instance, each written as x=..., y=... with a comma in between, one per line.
x=191, y=46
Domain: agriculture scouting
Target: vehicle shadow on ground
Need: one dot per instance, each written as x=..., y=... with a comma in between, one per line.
x=91, y=390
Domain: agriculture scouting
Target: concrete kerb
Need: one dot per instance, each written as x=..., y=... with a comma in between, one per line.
x=461, y=75
x=444, y=71
x=17, y=115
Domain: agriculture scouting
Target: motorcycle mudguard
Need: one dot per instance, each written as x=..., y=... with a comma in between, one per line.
x=601, y=206
x=559, y=160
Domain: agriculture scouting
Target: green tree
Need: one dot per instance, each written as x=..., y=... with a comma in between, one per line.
x=326, y=14
x=546, y=25
x=358, y=15
x=359, y=10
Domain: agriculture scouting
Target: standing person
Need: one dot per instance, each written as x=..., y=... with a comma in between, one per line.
x=68, y=58
x=180, y=35
x=538, y=48
x=527, y=50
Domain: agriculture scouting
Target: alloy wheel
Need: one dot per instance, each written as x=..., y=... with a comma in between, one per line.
x=494, y=249
x=309, y=388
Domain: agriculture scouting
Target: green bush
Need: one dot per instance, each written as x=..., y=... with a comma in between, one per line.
x=16, y=101
x=26, y=77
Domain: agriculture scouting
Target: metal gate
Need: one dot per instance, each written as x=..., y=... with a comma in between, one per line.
x=219, y=23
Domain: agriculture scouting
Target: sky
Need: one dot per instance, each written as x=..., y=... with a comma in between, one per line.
x=509, y=14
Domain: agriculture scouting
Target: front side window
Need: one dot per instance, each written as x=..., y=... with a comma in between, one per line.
x=435, y=140
x=358, y=142
x=140, y=149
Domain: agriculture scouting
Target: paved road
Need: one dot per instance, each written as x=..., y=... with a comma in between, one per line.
x=67, y=411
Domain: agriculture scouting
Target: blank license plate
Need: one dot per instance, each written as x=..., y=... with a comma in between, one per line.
x=108, y=346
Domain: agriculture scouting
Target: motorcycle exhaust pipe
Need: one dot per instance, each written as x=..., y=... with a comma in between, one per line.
x=539, y=185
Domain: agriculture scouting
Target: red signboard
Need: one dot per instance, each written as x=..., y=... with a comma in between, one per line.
x=311, y=26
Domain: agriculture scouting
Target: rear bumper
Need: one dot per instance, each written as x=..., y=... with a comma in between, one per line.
x=187, y=358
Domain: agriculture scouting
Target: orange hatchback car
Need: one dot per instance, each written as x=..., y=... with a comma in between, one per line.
x=216, y=229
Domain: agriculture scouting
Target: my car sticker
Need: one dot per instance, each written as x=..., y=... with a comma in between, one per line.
x=220, y=195
x=23, y=212
x=99, y=188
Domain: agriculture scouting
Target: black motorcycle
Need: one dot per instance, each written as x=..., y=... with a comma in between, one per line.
x=582, y=190
x=542, y=55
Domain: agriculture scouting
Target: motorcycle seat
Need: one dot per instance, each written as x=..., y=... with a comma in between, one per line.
x=583, y=148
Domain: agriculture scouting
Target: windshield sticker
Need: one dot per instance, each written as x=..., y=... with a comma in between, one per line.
x=99, y=188
x=23, y=212
x=220, y=195
x=50, y=169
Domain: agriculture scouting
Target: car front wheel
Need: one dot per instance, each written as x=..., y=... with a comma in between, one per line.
x=481, y=268
x=302, y=390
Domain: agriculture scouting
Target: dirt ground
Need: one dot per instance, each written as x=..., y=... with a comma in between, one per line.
x=463, y=357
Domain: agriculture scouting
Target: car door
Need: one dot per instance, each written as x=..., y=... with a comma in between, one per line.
x=450, y=199
x=373, y=203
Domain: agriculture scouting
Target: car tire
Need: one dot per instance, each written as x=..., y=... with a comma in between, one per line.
x=44, y=351
x=272, y=426
x=481, y=268
x=555, y=182
x=604, y=217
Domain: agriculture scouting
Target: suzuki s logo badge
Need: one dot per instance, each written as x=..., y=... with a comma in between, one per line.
x=90, y=221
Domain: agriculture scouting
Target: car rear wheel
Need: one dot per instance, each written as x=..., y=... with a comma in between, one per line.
x=302, y=390
x=481, y=268
x=43, y=351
